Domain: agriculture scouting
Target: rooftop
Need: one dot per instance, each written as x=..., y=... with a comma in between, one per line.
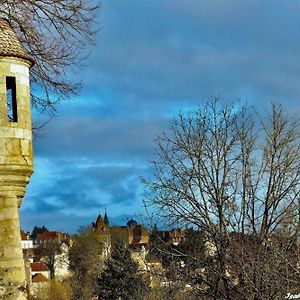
x=10, y=44
x=52, y=235
x=39, y=267
x=39, y=278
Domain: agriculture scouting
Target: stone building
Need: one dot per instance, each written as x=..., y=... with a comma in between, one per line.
x=174, y=236
x=57, y=236
x=16, y=158
x=27, y=246
x=134, y=235
x=101, y=228
x=61, y=259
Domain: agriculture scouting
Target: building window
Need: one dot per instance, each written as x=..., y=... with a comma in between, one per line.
x=11, y=98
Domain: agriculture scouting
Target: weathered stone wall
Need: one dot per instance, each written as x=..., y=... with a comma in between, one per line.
x=16, y=167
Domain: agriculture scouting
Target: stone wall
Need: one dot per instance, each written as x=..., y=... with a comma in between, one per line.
x=16, y=167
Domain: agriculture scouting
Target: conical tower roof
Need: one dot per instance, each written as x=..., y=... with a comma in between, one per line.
x=106, y=220
x=10, y=44
x=99, y=226
x=99, y=222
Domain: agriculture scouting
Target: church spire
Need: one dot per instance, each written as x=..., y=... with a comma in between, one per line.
x=105, y=219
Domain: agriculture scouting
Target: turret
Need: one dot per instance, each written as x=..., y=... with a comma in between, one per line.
x=16, y=158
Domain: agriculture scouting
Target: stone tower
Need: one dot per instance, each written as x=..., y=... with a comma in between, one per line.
x=16, y=164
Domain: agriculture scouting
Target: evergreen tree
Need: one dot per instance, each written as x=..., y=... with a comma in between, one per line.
x=121, y=280
x=38, y=230
x=158, y=247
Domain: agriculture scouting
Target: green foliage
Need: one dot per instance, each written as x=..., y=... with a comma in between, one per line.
x=121, y=279
x=38, y=230
x=86, y=262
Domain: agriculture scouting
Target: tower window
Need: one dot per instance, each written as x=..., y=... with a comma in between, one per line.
x=11, y=98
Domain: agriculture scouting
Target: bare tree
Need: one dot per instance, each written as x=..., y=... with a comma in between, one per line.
x=86, y=264
x=55, y=33
x=48, y=252
x=235, y=176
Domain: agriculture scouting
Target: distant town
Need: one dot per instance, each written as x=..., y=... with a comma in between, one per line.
x=48, y=256
x=44, y=263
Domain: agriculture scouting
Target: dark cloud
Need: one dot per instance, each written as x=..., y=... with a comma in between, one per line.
x=107, y=137
x=153, y=54
x=152, y=59
x=82, y=189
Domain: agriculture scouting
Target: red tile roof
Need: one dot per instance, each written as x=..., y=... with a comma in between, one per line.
x=52, y=235
x=39, y=278
x=39, y=267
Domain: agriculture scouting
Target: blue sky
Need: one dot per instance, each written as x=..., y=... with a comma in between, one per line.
x=152, y=59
